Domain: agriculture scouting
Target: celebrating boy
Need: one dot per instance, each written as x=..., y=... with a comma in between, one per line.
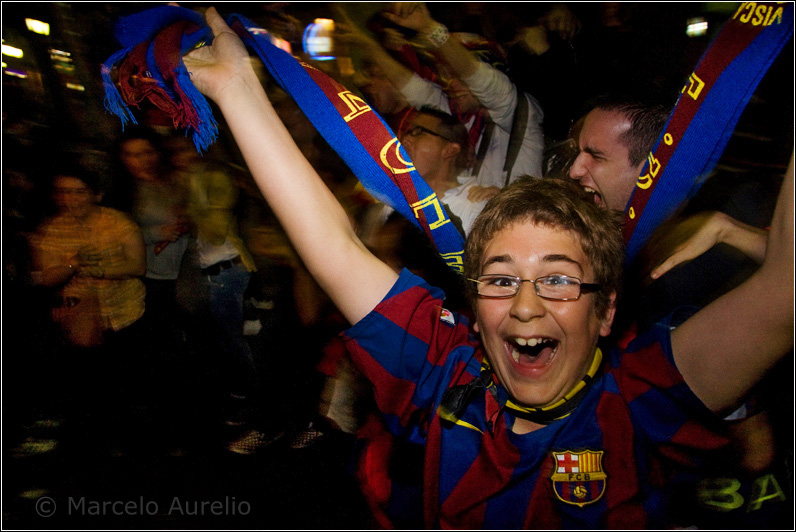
x=526, y=422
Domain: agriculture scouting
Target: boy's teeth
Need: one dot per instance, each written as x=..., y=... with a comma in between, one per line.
x=530, y=342
x=515, y=355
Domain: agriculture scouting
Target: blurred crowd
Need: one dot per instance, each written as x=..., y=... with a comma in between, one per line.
x=157, y=303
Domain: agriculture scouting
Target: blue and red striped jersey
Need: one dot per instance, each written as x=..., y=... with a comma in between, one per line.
x=637, y=434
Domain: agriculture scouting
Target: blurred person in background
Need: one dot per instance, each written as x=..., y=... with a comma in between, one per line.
x=226, y=267
x=92, y=257
x=478, y=93
x=159, y=207
x=437, y=144
x=539, y=41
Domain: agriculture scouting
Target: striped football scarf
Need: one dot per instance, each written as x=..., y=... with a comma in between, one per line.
x=150, y=68
x=706, y=113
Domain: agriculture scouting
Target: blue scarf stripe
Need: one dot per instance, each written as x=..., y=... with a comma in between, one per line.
x=403, y=192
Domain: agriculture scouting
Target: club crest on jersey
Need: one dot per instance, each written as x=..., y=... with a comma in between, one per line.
x=446, y=316
x=578, y=477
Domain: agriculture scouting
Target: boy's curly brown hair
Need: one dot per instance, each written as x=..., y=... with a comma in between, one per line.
x=558, y=204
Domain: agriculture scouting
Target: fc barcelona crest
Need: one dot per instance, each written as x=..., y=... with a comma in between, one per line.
x=578, y=477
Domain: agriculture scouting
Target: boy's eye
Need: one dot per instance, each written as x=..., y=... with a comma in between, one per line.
x=502, y=281
x=557, y=280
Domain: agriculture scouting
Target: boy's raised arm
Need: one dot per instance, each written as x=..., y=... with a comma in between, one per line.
x=313, y=219
x=727, y=347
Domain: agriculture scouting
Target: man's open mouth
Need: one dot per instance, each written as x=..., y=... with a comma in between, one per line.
x=597, y=197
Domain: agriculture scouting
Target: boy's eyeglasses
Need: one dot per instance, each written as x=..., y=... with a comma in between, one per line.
x=556, y=287
x=416, y=131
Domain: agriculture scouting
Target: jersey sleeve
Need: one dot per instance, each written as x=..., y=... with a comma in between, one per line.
x=665, y=412
x=410, y=348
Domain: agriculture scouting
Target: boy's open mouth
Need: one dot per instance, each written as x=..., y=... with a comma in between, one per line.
x=533, y=351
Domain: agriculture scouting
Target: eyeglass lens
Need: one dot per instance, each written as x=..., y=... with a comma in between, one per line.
x=553, y=287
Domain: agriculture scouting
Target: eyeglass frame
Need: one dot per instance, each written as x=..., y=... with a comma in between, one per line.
x=587, y=287
x=424, y=130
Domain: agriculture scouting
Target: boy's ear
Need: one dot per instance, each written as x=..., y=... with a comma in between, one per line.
x=608, y=320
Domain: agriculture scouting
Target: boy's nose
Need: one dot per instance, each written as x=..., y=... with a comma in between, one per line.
x=527, y=305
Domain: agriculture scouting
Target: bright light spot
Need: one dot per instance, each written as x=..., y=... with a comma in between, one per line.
x=75, y=87
x=317, y=40
x=16, y=73
x=37, y=26
x=281, y=44
x=697, y=27
x=11, y=51
x=64, y=68
x=276, y=41
x=60, y=58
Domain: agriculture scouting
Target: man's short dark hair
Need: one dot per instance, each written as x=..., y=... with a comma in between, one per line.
x=453, y=131
x=647, y=114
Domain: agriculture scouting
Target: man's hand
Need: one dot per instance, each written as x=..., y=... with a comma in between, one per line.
x=172, y=232
x=478, y=193
x=394, y=39
x=533, y=39
x=702, y=231
x=561, y=20
x=346, y=31
x=412, y=15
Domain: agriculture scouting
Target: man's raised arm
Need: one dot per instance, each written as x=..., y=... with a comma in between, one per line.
x=315, y=222
x=727, y=347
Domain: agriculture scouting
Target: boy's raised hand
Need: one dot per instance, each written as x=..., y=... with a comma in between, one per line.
x=215, y=67
x=317, y=225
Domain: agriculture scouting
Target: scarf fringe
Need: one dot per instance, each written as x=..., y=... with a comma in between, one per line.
x=114, y=102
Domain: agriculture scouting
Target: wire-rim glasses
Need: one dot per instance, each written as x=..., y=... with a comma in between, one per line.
x=555, y=287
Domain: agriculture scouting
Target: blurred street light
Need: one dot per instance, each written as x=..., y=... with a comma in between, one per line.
x=11, y=51
x=37, y=26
